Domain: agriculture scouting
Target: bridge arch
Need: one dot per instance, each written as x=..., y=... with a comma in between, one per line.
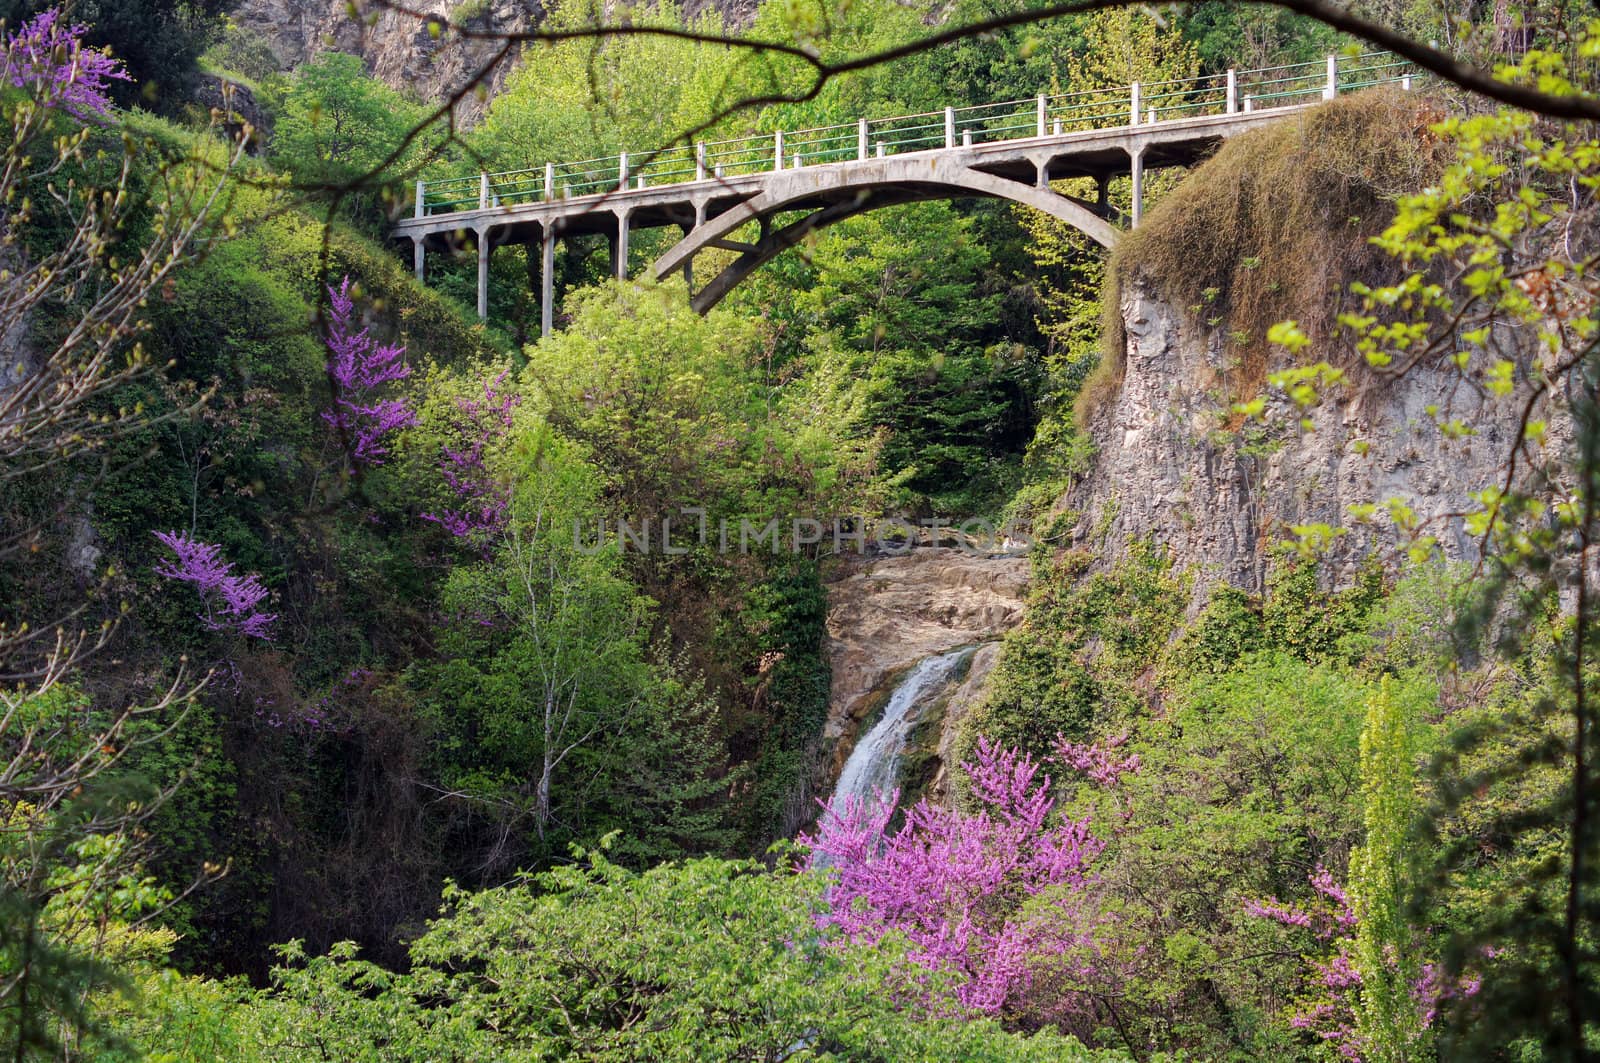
x=834, y=194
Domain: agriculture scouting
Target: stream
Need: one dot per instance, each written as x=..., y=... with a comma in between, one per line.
x=874, y=764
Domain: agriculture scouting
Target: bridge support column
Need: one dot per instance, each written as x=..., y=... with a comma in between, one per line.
x=547, y=278
x=419, y=259
x=1137, y=171
x=688, y=263
x=619, y=249
x=483, y=274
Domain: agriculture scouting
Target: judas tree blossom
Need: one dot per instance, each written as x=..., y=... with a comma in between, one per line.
x=952, y=883
x=231, y=600
x=483, y=501
x=46, y=56
x=1328, y=1011
x=1100, y=761
x=358, y=366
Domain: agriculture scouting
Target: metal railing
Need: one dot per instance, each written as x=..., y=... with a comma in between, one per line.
x=1232, y=92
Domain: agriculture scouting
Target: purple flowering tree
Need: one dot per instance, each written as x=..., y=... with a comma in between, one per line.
x=47, y=57
x=359, y=367
x=231, y=601
x=482, y=501
x=1328, y=1007
x=956, y=884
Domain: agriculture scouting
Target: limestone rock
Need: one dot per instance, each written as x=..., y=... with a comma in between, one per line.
x=886, y=613
x=1174, y=465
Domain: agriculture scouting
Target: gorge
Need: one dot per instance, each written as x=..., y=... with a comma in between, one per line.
x=334, y=722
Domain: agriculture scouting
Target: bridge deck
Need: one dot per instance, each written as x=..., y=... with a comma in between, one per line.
x=1096, y=153
x=1008, y=150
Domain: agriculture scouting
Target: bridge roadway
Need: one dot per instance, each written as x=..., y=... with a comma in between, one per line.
x=787, y=197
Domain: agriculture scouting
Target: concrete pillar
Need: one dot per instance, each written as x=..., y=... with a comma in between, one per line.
x=420, y=208
x=418, y=258
x=700, y=162
x=777, y=150
x=483, y=191
x=1233, y=91
x=1102, y=193
x=688, y=263
x=483, y=274
x=622, y=172
x=949, y=127
x=966, y=138
x=861, y=139
x=1137, y=158
x=547, y=278
x=1333, y=78
x=620, y=248
x=1134, y=99
x=1041, y=107
x=549, y=180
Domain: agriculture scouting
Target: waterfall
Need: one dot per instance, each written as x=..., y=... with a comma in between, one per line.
x=875, y=760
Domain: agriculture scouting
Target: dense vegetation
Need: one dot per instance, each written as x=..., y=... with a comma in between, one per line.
x=338, y=719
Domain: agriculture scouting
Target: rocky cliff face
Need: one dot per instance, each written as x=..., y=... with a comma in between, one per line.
x=1173, y=464
x=395, y=43
x=397, y=47
x=887, y=613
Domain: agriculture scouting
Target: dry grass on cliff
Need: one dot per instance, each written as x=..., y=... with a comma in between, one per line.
x=1276, y=225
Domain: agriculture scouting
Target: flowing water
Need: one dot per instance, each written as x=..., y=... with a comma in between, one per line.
x=874, y=763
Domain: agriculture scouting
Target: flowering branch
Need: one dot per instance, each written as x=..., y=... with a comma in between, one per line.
x=1330, y=1013
x=953, y=883
x=358, y=365
x=231, y=600
x=47, y=57
x=484, y=501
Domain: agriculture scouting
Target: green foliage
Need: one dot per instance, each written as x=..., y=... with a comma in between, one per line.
x=1228, y=630
x=549, y=702
x=705, y=960
x=242, y=52
x=72, y=890
x=338, y=126
x=1071, y=666
x=892, y=325
x=1301, y=618
x=1381, y=881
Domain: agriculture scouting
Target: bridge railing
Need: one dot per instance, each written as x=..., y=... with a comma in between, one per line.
x=1231, y=92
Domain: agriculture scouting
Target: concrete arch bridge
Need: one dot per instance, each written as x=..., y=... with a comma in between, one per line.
x=793, y=182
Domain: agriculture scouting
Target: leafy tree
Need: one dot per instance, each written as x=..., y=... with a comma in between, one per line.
x=1387, y=1016
x=338, y=125
x=556, y=712
x=704, y=960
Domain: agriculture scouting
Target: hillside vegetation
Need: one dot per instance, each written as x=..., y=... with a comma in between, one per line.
x=345, y=713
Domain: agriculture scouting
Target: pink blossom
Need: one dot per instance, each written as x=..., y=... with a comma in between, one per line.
x=47, y=57
x=358, y=365
x=230, y=599
x=1334, y=981
x=952, y=882
x=484, y=503
x=1097, y=760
